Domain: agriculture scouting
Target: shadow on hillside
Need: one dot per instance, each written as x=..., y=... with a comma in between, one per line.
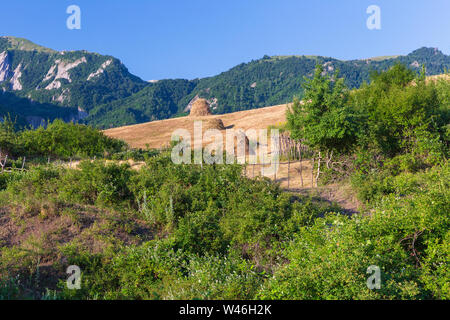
x=332, y=196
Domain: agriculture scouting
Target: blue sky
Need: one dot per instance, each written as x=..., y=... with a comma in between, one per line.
x=159, y=39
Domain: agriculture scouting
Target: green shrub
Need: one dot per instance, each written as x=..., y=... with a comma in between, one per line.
x=95, y=182
x=9, y=289
x=406, y=236
x=219, y=235
x=66, y=140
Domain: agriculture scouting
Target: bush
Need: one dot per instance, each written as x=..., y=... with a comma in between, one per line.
x=212, y=233
x=60, y=139
x=95, y=182
x=406, y=236
x=154, y=270
x=135, y=155
x=9, y=289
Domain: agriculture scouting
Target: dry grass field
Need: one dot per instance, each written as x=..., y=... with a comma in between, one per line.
x=439, y=77
x=157, y=134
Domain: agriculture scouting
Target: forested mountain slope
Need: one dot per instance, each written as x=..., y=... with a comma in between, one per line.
x=77, y=79
x=37, y=82
x=260, y=83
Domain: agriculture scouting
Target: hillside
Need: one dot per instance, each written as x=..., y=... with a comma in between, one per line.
x=259, y=83
x=14, y=43
x=99, y=90
x=74, y=79
x=369, y=189
x=157, y=134
x=158, y=100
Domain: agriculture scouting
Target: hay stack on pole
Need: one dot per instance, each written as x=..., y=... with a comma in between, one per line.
x=200, y=111
x=214, y=123
x=200, y=108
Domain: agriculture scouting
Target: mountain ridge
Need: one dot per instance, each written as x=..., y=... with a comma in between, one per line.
x=99, y=90
x=260, y=83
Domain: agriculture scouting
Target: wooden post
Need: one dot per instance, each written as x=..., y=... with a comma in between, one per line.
x=48, y=160
x=318, y=168
x=275, y=173
x=289, y=167
x=23, y=163
x=4, y=163
x=301, y=165
x=262, y=163
x=285, y=147
x=281, y=145
x=329, y=159
x=312, y=172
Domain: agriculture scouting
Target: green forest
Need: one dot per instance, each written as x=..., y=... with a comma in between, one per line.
x=259, y=83
x=57, y=85
x=169, y=231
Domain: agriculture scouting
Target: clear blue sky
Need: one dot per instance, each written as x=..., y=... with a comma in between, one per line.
x=159, y=39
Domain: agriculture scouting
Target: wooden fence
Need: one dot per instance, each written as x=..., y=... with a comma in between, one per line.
x=290, y=174
x=5, y=160
x=295, y=165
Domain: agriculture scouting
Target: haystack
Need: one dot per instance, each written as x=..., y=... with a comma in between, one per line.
x=200, y=108
x=214, y=123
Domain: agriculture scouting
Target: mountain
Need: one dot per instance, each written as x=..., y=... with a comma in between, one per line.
x=259, y=83
x=159, y=100
x=275, y=80
x=41, y=83
x=77, y=80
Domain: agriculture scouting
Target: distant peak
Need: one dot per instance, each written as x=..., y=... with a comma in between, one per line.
x=15, y=43
x=426, y=51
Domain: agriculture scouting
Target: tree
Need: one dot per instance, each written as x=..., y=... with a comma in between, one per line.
x=399, y=109
x=323, y=120
x=7, y=134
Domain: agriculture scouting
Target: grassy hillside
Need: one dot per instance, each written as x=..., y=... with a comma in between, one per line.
x=14, y=43
x=185, y=231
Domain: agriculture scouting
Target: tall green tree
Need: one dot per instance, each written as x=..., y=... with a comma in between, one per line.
x=322, y=119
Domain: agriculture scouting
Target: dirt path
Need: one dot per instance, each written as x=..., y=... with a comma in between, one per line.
x=333, y=193
x=136, y=165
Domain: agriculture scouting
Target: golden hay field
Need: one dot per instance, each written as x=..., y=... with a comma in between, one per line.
x=157, y=134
